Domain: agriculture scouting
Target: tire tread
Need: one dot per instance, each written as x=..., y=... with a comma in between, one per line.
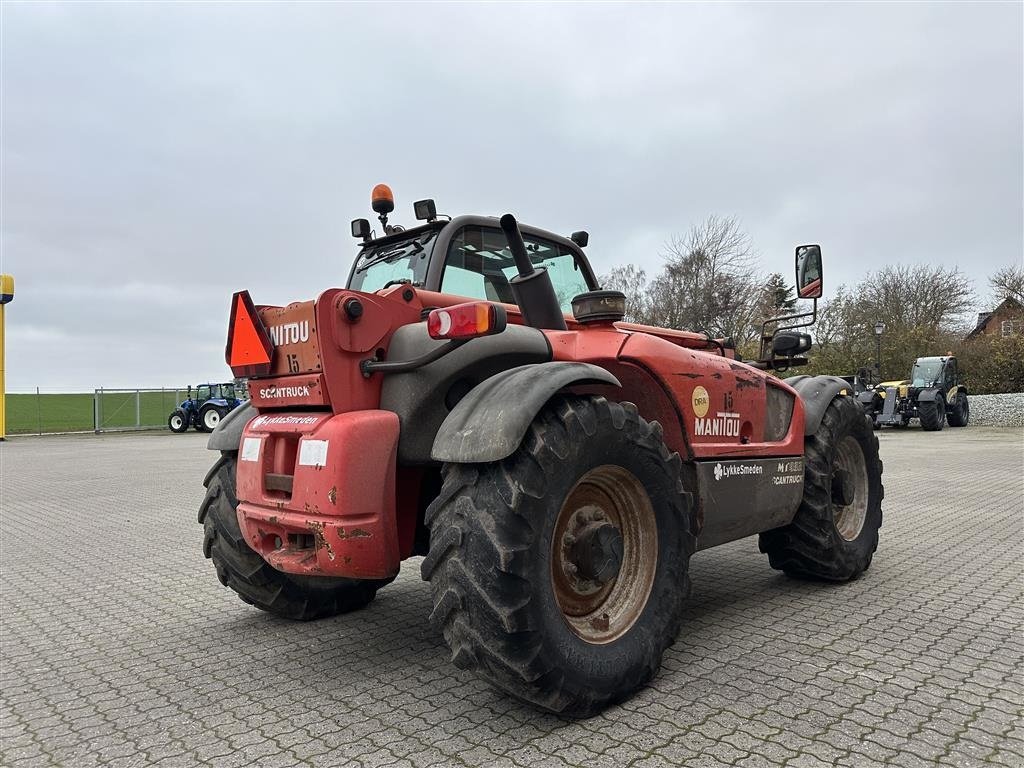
x=487, y=622
x=810, y=546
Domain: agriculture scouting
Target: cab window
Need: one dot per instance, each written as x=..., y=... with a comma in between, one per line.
x=203, y=393
x=479, y=265
x=925, y=372
x=402, y=260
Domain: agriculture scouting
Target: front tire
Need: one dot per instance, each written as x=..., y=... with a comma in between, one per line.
x=256, y=582
x=517, y=596
x=932, y=414
x=177, y=422
x=835, y=531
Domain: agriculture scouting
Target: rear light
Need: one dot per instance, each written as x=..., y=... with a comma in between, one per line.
x=466, y=321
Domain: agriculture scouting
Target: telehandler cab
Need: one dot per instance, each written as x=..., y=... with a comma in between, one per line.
x=473, y=397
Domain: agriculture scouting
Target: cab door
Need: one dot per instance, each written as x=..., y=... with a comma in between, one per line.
x=202, y=394
x=950, y=375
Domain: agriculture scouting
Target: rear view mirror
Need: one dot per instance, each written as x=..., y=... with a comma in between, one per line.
x=808, y=271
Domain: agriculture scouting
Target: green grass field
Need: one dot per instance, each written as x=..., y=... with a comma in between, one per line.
x=30, y=413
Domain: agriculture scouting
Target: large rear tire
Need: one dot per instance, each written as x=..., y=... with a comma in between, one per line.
x=210, y=416
x=960, y=413
x=515, y=594
x=835, y=532
x=932, y=414
x=256, y=582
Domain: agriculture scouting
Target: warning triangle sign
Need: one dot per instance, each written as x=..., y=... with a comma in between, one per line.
x=249, y=350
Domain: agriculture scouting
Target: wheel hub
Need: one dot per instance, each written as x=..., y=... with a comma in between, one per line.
x=604, y=554
x=588, y=557
x=843, y=490
x=597, y=553
x=849, y=488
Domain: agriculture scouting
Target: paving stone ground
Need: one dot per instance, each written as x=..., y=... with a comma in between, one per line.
x=118, y=647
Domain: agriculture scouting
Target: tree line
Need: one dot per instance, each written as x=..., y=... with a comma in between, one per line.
x=710, y=282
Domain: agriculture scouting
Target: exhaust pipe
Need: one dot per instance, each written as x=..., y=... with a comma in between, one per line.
x=532, y=287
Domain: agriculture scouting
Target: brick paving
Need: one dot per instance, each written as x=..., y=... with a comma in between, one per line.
x=118, y=647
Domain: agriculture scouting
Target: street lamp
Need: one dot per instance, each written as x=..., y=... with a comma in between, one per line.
x=879, y=330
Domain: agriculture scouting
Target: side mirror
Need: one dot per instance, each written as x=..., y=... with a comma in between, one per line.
x=789, y=344
x=808, y=271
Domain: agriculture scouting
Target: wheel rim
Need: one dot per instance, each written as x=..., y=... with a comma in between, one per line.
x=850, y=504
x=211, y=419
x=175, y=422
x=601, y=608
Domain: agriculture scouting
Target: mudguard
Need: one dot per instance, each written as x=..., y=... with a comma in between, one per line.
x=817, y=392
x=489, y=423
x=929, y=395
x=228, y=434
x=423, y=398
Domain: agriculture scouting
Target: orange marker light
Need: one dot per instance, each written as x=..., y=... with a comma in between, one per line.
x=466, y=321
x=382, y=199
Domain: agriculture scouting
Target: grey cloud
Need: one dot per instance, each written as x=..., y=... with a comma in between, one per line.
x=158, y=157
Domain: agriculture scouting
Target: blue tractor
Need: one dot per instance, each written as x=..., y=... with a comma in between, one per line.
x=211, y=403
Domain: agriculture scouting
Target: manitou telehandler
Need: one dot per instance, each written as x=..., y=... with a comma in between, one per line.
x=473, y=397
x=934, y=394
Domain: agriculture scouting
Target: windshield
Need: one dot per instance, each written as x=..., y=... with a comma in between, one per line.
x=404, y=260
x=925, y=372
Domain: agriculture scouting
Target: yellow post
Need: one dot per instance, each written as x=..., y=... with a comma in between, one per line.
x=6, y=294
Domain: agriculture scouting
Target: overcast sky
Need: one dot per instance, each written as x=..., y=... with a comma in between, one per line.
x=158, y=157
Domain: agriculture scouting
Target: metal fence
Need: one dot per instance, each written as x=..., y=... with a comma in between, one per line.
x=125, y=409
x=104, y=410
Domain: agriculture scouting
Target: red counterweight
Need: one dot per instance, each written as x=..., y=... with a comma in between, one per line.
x=317, y=492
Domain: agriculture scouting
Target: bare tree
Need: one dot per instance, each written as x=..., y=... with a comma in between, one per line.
x=1008, y=283
x=921, y=306
x=709, y=282
x=919, y=296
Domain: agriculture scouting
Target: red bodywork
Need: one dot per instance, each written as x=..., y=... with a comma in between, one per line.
x=319, y=489
x=335, y=512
